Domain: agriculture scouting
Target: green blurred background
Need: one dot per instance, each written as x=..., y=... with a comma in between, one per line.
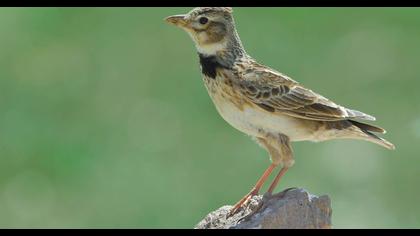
x=105, y=122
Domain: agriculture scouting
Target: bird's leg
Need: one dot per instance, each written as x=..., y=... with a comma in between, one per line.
x=287, y=161
x=277, y=179
x=278, y=146
x=280, y=153
x=255, y=190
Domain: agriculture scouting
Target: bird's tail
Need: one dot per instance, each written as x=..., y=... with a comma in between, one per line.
x=367, y=134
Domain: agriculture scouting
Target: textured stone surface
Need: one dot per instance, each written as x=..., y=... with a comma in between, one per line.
x=292, y=208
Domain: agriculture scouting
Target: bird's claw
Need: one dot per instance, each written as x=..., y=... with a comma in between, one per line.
x=243, y=202
x=266, y=197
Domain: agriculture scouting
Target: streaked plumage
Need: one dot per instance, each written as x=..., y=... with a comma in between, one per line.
x=262, y=102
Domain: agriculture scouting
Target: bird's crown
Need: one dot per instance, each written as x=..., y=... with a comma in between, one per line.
x=206, y=10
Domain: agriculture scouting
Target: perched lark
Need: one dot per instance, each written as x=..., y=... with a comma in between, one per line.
x=262, y=102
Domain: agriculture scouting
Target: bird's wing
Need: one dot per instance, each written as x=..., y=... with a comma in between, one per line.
x=275, y=92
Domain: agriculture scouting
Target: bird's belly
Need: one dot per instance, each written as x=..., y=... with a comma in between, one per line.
x=257, y=122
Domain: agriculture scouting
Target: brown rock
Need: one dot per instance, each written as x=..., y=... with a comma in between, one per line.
x=292, y=208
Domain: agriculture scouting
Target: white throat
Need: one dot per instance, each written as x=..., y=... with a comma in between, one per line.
x=211, y=49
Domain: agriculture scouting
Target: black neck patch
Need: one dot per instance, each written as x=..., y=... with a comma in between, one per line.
x=209, y=64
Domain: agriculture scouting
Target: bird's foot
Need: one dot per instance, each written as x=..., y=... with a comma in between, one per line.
x=242, y=202
x=261, y=205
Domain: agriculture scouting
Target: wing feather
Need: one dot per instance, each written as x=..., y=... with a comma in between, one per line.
x=274, y=91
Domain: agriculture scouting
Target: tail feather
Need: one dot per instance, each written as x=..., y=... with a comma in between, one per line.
x=367, y=127
x=383, y=142
x=368, y=136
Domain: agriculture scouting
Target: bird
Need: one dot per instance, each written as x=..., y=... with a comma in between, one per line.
x=263, y=103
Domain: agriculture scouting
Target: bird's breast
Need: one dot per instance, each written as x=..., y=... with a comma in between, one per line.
x=246, y=116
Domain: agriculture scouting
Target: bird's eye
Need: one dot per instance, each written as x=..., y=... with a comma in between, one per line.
x=203, y=20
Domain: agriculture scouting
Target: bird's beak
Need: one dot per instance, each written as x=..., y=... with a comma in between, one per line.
x=177, y=20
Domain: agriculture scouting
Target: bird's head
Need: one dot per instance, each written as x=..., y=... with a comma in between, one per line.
x=211, y=28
